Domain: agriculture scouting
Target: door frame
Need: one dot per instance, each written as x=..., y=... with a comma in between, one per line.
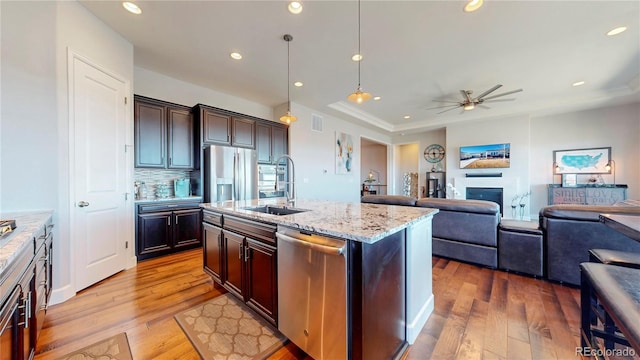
x=131, y=260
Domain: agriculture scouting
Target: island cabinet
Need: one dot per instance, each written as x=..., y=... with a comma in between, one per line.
x=167, y=228
x=220, y=127
x=241, y=255
x=271, y=141
x=164, y=135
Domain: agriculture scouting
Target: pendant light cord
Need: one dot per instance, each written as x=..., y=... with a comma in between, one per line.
x=288, y=80
x=359, y=52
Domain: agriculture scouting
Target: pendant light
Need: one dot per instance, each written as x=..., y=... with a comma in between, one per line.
x=288, y=118
x=359, y=96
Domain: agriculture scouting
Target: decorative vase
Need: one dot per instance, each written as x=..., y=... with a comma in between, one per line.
x=513, y=211
x=522, y=211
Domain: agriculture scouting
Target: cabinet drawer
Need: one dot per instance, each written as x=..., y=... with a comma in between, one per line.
x=212, y=218
x=166, y=207
x=256, y=230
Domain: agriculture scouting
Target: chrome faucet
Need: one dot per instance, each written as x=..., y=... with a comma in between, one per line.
x=291, y=196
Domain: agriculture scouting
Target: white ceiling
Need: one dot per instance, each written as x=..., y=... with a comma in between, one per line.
x=414, y=52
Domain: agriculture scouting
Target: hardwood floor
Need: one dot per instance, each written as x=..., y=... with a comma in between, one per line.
x=479, y=314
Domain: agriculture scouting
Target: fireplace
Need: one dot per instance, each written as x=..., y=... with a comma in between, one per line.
x=486, y=193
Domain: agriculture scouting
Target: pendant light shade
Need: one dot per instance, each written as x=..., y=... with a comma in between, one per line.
x=288, y=118
x=359, y=96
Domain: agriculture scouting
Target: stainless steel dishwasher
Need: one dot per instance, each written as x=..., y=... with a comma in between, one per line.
x=312, y=292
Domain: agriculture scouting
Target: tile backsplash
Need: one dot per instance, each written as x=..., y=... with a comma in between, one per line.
x=152, y=177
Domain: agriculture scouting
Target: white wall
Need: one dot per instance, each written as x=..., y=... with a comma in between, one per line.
x=158, y=86
x=314, y=155
x=423, y=140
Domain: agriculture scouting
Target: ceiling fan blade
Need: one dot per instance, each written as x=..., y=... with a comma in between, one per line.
x=465, y=95
x=488, y=92
x=442, y=106
x=484, y=107
x=503, y=94
x=497, y=100
x=448, y=101
x=447, y=110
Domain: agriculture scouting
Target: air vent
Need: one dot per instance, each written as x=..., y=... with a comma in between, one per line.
x=316, y=123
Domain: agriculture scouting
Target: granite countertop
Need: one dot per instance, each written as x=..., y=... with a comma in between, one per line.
x=366, y=223
x=169, y=199
x=28, y=225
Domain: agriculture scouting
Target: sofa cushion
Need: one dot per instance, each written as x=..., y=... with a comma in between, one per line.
x=388, y=200
x=469, y=206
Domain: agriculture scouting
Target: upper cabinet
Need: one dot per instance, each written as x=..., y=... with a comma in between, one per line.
x=271, y=141
x=164, y=135
x=219, y=127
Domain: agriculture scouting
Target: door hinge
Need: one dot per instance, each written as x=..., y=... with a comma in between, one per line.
x=126, y=244
x=126, y=147
x=126, y=196
x=125, y=100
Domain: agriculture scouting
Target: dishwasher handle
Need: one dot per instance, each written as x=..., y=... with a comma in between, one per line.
x=331, y=250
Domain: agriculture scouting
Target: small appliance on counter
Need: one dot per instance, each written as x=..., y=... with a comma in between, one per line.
x=7, y=226
x=181, y=187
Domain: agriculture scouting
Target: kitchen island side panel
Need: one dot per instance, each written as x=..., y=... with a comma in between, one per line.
x=378, y=305
x=420, y=300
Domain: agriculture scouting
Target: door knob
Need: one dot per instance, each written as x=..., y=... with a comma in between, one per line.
x=83, y=204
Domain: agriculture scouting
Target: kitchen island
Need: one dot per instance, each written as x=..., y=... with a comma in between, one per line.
x=372, y=304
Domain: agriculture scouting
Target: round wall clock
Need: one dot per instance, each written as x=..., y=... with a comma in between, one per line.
x=434, y=153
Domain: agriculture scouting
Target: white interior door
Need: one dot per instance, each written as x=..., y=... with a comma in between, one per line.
x=99, y=215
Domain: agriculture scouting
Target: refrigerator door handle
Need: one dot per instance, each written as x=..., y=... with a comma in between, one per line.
x=236, y=176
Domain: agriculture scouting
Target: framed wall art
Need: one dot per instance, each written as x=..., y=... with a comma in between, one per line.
x=582, y=161
x=344, y=153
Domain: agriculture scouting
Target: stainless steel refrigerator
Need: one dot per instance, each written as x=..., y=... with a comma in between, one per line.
x=230, y=174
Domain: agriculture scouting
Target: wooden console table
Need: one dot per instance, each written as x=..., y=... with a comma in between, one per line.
x=587, y=194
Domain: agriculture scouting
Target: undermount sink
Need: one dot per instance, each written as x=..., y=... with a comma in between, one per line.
x=275, y=210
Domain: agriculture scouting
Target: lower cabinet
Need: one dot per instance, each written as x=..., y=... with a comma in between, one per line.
x=241, y=256
x=167, y=228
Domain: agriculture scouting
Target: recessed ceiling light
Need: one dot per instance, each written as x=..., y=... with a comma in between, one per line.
x=377, y=98
x=132, y=8
x=235, y=55
x=356, y=57
x=295, y=7
x=578, y=83
x=473, y=5
x=617, y=31
x=298, y=83
x=407, y=116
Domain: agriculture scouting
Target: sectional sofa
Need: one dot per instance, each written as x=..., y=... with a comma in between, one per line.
x=472, y=231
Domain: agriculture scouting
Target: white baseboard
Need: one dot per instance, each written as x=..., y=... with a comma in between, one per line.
x=61, y=295
x=414, y=327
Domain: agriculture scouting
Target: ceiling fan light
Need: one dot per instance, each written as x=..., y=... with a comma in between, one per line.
x=469, y=106
x=295, y=7
x=473, y=5
x=359, y=96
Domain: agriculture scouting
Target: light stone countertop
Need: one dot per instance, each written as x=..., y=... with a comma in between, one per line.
x=28, y=225
x=366, y=223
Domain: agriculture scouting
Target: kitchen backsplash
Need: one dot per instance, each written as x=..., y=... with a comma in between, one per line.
x=152, y=177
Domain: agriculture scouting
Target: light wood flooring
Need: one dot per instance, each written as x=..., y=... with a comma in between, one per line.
x=479, y=314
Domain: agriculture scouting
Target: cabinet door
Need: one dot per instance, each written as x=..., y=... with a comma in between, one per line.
x=213, y=251
x=150, y=132
x=244, y=133
x=216, y=128
x=181, y=147
x=279, y=143
x=263, y=143
x=262, y=290
x=10, y=331
x=186, y=228
x=233, y=248
x=154, y=234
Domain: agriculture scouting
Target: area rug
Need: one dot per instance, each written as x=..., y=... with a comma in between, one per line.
x=223, y=328
x=115, y=347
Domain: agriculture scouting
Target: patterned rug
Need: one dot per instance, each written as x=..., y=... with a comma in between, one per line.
x=115, y=347
x=223, y=328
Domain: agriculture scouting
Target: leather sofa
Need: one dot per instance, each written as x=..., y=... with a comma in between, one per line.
x=570, y=231
x=465, y=230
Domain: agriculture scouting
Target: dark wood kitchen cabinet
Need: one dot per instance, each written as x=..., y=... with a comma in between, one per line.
x=240, y=255
x=271, y=141
x=163, y=229
x=164, y=135
x=221, y=127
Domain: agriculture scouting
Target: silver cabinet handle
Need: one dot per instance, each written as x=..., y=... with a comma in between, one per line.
x=240, y=252
x=83, y=204
x=311, y=245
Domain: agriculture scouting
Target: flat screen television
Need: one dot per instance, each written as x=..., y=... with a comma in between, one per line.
x=485, y=156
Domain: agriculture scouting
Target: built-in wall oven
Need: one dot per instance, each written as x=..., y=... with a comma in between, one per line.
x=267, y=175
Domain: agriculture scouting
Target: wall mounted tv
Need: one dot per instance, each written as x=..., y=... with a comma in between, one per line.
x=485, y=156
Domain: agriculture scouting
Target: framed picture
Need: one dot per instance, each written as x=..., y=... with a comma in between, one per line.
x=582, y=161
x=344, y=153
x=569, y=180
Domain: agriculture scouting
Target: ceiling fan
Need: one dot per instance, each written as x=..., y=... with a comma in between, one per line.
x=469, y=103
